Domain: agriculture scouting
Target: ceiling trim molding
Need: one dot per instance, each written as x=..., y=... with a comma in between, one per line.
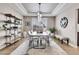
x=60, y=8
x=47, y=15
x=31, y=14
x=21, y=8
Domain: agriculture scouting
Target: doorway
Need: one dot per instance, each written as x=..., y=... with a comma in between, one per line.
x=77, y=31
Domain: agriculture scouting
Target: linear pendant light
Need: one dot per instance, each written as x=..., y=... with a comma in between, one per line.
x=39, y=13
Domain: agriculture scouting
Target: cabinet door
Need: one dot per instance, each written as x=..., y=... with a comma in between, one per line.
x=78, y=16
x=77, y=38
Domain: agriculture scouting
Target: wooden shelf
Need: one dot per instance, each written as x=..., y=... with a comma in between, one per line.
x=7, y=36
x=9, y=15
x=13, y=26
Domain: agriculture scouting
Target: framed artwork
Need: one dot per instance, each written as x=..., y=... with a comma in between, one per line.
x=64, y=22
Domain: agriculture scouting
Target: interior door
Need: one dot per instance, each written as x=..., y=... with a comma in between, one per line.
x=77, y=38
x=78, y=32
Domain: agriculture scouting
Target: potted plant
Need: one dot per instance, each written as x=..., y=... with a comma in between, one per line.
x=52, y=30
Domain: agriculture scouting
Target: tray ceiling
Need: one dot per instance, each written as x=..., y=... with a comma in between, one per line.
x=44, y=8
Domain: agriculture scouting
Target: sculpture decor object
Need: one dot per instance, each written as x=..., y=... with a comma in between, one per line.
x=64, y=22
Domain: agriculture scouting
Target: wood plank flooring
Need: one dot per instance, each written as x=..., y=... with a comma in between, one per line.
x=70, y=50
x=53, y=49
x=9, y=49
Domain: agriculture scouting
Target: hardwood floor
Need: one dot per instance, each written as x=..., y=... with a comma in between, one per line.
x=69, y=50
x=9, y=49
x=53, y=49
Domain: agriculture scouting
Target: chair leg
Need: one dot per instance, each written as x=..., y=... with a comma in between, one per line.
x=30, y=44
x=41, y=42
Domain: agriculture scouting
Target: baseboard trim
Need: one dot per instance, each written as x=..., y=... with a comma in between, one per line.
x=73, y=45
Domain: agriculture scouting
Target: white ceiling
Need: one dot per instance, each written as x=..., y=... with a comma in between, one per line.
x=44, y=8
x=48, y=9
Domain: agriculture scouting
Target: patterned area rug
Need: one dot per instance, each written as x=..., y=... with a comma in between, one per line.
x=53, y=49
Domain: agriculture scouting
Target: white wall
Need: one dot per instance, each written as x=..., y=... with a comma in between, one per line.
x=71, y=30
x=6, y=8
x=25, y=20
x=50, y=22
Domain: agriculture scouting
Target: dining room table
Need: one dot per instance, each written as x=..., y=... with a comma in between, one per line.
x=39, y=37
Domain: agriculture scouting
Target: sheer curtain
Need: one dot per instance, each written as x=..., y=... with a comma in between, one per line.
x=42, y=22
x=39, y=26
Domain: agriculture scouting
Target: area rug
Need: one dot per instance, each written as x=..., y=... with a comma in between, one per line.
x=53, y=49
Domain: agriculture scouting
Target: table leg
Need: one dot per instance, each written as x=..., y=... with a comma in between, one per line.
x=62, y=41
x=67, y=41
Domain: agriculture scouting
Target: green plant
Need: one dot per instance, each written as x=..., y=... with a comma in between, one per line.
x=52, y=30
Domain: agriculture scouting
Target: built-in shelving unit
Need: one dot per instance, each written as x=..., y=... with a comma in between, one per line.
x=10, y=30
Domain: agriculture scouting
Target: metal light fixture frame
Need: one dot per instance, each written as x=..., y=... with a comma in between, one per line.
x=39, y=13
